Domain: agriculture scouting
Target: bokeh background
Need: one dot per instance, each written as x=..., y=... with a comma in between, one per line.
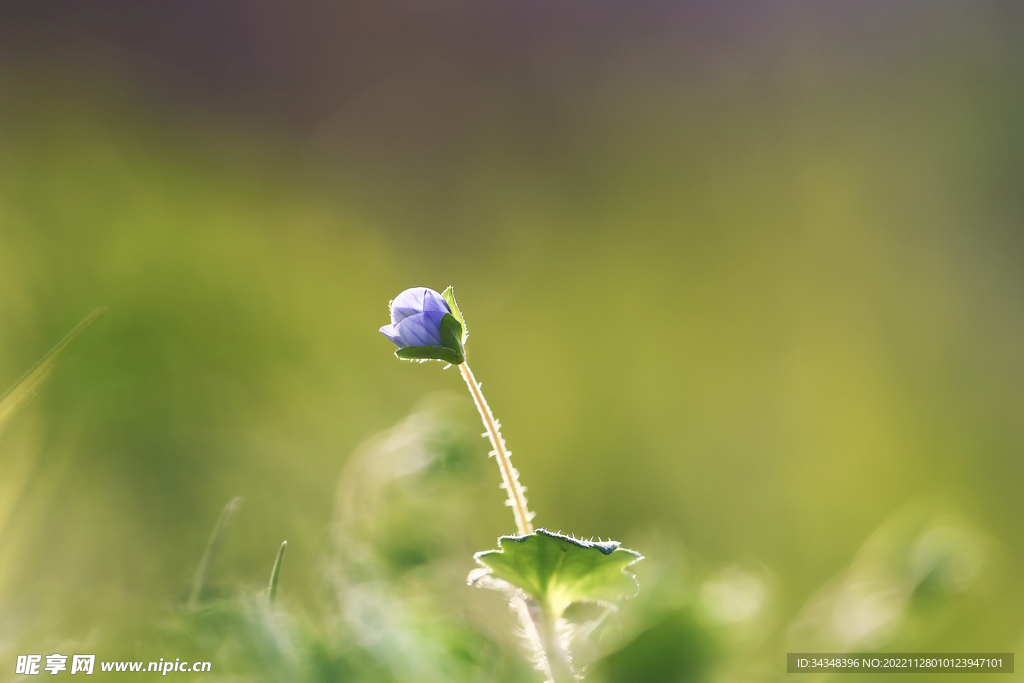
x=743, y=280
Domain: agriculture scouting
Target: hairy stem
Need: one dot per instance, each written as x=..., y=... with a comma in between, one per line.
x=509, y=476
x=559, y=664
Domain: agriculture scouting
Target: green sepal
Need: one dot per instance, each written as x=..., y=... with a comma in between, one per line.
x=558, y=570
x=451, y=351
x=449, y=295
x=452, y=336
x=429, y=353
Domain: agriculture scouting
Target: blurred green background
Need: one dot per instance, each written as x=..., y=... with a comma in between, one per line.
x=743, y=283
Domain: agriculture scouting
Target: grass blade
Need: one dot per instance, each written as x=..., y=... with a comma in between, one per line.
x=276, y=574
x=25, y=388
x=211, y=550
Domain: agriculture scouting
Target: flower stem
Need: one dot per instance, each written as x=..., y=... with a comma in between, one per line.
x=559, y=664
x=509, y=476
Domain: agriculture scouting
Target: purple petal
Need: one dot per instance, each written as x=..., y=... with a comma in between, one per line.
x=391, y=333
x=421, y=329
x=417, y=300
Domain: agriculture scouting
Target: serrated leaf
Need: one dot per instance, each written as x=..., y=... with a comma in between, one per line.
x=558, y=570
x=449, y=295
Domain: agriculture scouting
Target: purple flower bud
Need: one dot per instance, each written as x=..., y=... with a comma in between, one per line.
x=416, y=318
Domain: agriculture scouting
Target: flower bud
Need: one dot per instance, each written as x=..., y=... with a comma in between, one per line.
x=426, y=325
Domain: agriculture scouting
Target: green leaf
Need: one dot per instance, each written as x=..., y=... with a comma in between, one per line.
x=275, y=574
x=26, y=387
x=449, y=296
x=212, y=547
x=557, y=570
